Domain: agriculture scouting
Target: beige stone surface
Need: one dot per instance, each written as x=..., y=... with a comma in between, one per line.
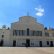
x=24, y=50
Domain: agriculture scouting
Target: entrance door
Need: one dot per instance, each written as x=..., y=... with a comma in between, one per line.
x=27, y=43
x=51, y=43
x=14, y=43
x=40, y=43
x=1, y=43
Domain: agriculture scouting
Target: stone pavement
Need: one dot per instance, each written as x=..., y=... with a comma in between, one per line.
x=24, y=50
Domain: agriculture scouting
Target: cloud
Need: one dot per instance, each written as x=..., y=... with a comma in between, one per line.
x=39, y=11
x=39, y=14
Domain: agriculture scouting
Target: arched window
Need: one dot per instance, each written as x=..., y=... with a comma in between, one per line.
x=2, y=36
x=27, y=31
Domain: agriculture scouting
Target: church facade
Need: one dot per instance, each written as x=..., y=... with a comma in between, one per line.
x=26, y=32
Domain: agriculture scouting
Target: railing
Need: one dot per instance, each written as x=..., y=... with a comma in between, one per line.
x=34, y=37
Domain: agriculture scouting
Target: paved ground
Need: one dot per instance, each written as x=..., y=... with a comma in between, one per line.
x=23, y=50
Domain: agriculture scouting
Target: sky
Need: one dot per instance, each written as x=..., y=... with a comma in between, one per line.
x=42, y=10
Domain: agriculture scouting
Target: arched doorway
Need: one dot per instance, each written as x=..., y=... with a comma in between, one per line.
x=40, y=43
x=1, y=43
x=51, y=43
x=27, y=42
x=14, y=43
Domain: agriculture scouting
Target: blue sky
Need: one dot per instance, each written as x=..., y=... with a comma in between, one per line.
x=11, y=10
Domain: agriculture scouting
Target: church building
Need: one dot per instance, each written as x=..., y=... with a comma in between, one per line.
x=26, y=32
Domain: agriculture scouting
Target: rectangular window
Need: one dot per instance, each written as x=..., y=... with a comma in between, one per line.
x=23, y=44
x=53, y=34
x=18, y=32
x=33, y=33
x=32, y=44
x=38, y=33
x=22, y=33
x=14, y=32
x=46, y=34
